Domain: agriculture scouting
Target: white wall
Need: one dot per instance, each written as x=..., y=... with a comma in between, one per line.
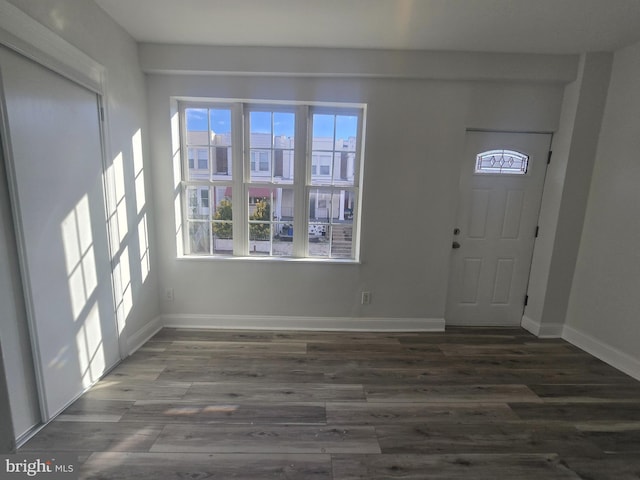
x=565, y=195
x=415, y=133
x=87, y=27
x=356, y=63
x=550, y=206
x=603, y=307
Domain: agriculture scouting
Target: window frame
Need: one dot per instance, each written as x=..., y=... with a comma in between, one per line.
x=240, y=180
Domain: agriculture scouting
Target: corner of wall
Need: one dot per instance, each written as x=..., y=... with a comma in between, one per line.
x=566, y=192
x=136, y=339
x=599, y=349
x=602, y=310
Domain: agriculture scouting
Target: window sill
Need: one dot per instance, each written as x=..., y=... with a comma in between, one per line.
x=265, y=259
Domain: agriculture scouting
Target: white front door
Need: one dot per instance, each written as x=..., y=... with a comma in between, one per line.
x=500, y=192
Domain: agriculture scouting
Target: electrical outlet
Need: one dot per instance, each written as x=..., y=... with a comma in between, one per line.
x=168, y=294
x=366, y=298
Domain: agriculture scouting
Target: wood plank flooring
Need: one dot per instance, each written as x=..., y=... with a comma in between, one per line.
x=471, y=403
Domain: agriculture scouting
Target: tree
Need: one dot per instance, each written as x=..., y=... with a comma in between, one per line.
x=223, y=212
x=260, y=231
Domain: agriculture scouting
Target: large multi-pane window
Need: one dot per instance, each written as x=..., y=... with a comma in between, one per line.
x=264, y=180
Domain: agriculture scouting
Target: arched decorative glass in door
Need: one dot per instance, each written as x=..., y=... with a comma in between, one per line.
x=503, y=162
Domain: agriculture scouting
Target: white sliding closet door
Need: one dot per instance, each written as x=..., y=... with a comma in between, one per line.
x=55, y=168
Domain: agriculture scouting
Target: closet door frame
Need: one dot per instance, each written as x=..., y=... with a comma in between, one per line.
x=32, y=40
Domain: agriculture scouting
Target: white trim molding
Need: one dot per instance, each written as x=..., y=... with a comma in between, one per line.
x=338, y=324
x=608, y=354
x=489, y=323
x=307, y=62
x=23, y=34
x=540, y=330
x=137, y=339
x=604, y=352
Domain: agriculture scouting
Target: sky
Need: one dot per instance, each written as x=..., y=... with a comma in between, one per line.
x=283, y=123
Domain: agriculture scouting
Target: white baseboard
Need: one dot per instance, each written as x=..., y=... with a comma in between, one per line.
x=553, y=330
x=139, y=338
x=530, y=325
x=491, y=323
x=347, y=324
x=614, y=357
x=611, y=355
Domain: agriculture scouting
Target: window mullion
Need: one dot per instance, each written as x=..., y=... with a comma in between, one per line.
x=182, y=207
x=238, y=165
x=358, y=164
x=301, y=174
x=358, y=176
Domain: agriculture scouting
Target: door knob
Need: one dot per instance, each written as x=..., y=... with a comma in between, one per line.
x=455, y=245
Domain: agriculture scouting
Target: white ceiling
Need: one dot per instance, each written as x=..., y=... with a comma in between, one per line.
x=531, y=26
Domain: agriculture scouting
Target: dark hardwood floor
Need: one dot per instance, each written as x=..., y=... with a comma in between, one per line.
x=478, y=404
